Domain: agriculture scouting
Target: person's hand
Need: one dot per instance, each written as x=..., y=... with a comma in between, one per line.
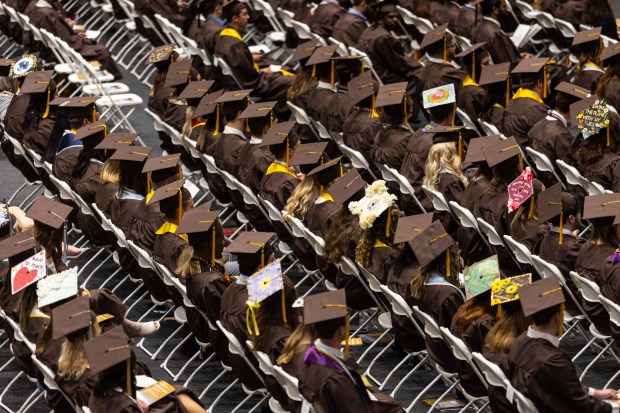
x=526, y=55
x=257, y=56
x=607, y=394
x=70, y=22
x=301, y=176
x=576, y=233
x=182, y=6
x=266, y=70
x=143, y=406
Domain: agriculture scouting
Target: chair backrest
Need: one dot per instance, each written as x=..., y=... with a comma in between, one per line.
x=567, y=29
x=342, y=48
x=234, y=346
x=318, y=243
x=373, y=281
x=490, y=232
x=357, y=159
x=143, y=258
x=286, y=16
x=541, y=160
x=588, y=289
x=493, y=375
x=63, y=188
x=612, y=308
x=520, y=251
x=423, y=25
x=464, y=215
x=439, y=201
x=400, y=307
x=488, y=128
x=430, y=326
x=546, y=269
x=546, y=20
x=301, y=116
x=571, y=174
x=405, y=186
x=288, y=382
x=464, y=117
x=273, y=212
x=298, y=228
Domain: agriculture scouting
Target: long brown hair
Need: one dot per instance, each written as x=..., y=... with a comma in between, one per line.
x=505, y=331
x=51, y=240
x=72, y=362
x=363, y=252
x=477, y=308
x=27, y=303
x=301, y=83
x=438, y=265
x=613, y=71
x=502, y=175
x=338, y=238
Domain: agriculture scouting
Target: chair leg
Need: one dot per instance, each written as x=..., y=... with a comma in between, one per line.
x=419, y=397
x=443, y=395
x=164, y=365
x=6, y=389
x=218, y=398
x=598, y=356
x=204, y=363
x=31, y=400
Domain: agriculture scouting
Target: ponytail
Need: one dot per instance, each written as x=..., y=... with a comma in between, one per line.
x=184, y=262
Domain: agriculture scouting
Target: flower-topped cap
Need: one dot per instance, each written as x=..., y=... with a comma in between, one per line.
x=593, y=118
x=507, y=290
x=479, y=277
x=520, y=190
x=375, y=202
x=57, y=287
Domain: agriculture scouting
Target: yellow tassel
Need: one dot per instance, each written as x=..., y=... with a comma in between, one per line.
x=530, y=214
x=373, y=111
x=283, y=306
x=148, y=183
x=473, y=65
x=520, y=163
x=561, y=226
x=507, y=90
x=389, y=222
x=608, y=138
x=213, y=246
x=249, y=313
x=287, y=151
x=561, y=321
x=500, y=311
x=129, y=377
x=216, y=131
x=445, y=50
x=331, y=81
x=341, y=170
x=262, y=257
x=247, y=126
x=346, y=335
x=180, y=172
x=47, y=105
x=406, y=122
x=180, y=213
x=545, y=80
x=313, y=70
x=454, y=114
x=94, y=112
x=448, y=263
x=460, y=146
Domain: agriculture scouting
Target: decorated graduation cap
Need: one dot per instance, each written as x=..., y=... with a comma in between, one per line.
x=39, y=83
x=308, y=155
x=470, y=52
x=431, y=244
x=304, y=51
x=108, y=350
x=251, y=246
x=330, y=305
x=28, y=271
x=610, y=51
x=507, y=290
x=200, y=224
x=410, y=227
x=53, y=214
x=279, y=134
x=328, y=172
x=550, y=205
x=587, y=36
x=363, y=87
x=92, y=134
x=376, y=201
x=207, y=104
x=438, y=34
x=503, y=151
x=162, y=168
x=5, y=67
x=17, y=247
x=541, y=295
x=605, y=209
x=179, y=73
x=262, y=285
x=446, y=134
x=477, y=146
x=323, y=55
x=161, y=56
x=439, y=96
x=592, y=119
x=71, y=319
x=258, y=114
x=520, y=190
x=231, y=102
x=167, y=193
x=533, y=66
x=82, y=107
x=479, y=277
x=393, y=94
x=195, y=90
x=117, y=140
x=57, y=287
x=132, y=154
x=350, y=187
x=26, y=64
x=493, y=74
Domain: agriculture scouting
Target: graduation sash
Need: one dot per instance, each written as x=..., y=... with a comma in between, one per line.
x=276, y=167
x=468, y=81
x=526, y=93
x=171, y=228
x=592, y=66
x=230, y=32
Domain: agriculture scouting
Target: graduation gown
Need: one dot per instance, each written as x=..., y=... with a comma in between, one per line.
x=471, y=98
x=564, y=257
x=547, y=376
x=381, y=260
x=278, y=184
x=413, y=166
x=147, y=219
x=15, y=117
x=167, y=249
x=435, y=73
x=158, y=98
x=465, y=21
x=79, y=390
x=86, y=185
x=349, y=28
x=528, y=232
x=591, y=261
x=443, y=12
x=226, y=149
x=325, y=17
x=405, y=332
x=276, y=337
x=497, y=395
x=520, y=115
x=552, y=138
x=65, y=162
x=452, y=189
x=36, y=137
x=119, y=402
x=174, y=114
x=441, y=300
x=167, y=8
x=498, y=44
x=252, y=163
x=208, y=34
x=328, y=106
x=390, y=146
x=319, y=214
x=603, y=171
x=359, y=130
x=473, y=336
x=472, y=246
x=588, y=77
x=388, y=57
x=612, y=93
x=610, y=288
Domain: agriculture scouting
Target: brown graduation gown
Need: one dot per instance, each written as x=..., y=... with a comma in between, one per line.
x=15, y=117
x=438, y=74
x=167, y=249
x=612, y=93
x=225, y=151
x=547, y=376
x=273, y=344
x=359, y=130
x=519, y=117
x=550, y=137
x=208, y=34
x=500, y=47
x=610, y=288
x=328, y=107
x=324, y=19
x=413, y=166
x=87, y=185
x=349, y=28
x=147, y=219
x=390, y=146
x=473, y=336
x=473, y=248
x=528, y=232
x=497, y=395
x=252, y=163
x=277, y=188
x=443, y=11
x=36, y=137
x=65, y=162
x=471, y=99
x=588, y=78
x=603, y=171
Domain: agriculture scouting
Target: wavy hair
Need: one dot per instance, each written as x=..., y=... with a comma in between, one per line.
x=613, y=71
x=302, y=337
x=72, y=362
x=505, y=331
x=418, y=284
x=366, y=246
x=442, y=157
x=51, y=240
x=302, y=197
x=110, y=172
x=301, y=84
x=343, y=228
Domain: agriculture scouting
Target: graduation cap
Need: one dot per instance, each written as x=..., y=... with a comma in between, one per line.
x=520, y=190
x=410, y=227
x=534, y=66
x=471, y=51
x=592, y=119
x=309, y=154
x=57, y=287
x=207, y=104
x=507, y=290
x=261, y=113
x=277, y=135
x=235, y=101
x=174, y=189
x=26, y=64
x=610, y=51
x=376, y=200
x=262, y=285
x=324, y=55
x=479, y=277
x=492, y=74
x=161, y=168
x=92, y=134
x=249, y=245
x=587, y=36
x=71, y=318
x=108, y=350
x=602, y=207
x=77, y=107
x=49, y=212
x=362, y=87
x=132, y=153
x=503, y=151
x=438, y=34
x=117, y=140
x=477, y=146
x=5, y=67
x=349, y=187
x=543, y=294
x=391, y=95
x=574, y=91
x=328, y=172
x=551, y=204
x=576, y=108
x=330, y=305
x=39, y=83
x=304, y=51
x=179, y=73
x=354, y=64
x=160, y=54
x=198, y=224
x=28, y=271
x=195, y=90
x=15, y=247
x=431, y=243
x=439, y=96
x=445, y=134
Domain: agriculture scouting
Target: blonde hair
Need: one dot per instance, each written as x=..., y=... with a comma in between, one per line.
x=72, y=362
x=303, y=335
x=184, y=262
x=505, y=331
x=158, y=81
x=187, y=125
x=110, y=172
x=304, y=194
x=442, y=157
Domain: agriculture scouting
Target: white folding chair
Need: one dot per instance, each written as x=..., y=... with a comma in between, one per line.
x=439, y=201
x=519, y=251
x=423, y=25
x=543, y=163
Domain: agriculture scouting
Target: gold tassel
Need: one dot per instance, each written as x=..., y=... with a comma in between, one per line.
x=341, y=170
x=287, y=151
x=94, y=112
x=262, y=256
x=608, y=138
x=561, y=321
x=180, y=172
x=448, y=263
x=47, y=105
x=373, y=111
x=530, y=214
x=473, y=65
x=129, y=377
x=331, y=82
x=520, y=163
x=346, y=335
x=561, y=226
x=389, y=223
x=247, y=125
x=406, y=122
x=454, y=114
x=445, y=50
x=249, y=313
x=460, y=145
x=313, y=70
x=148, y=183
x=507, y=90
x=500, y=311
x=216, y=131
x=283, y=306
x=180, y=213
